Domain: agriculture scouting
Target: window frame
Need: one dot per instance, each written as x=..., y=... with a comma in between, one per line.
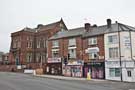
x=55, y=54
x=113, y=52
x=91, y=55
x=129, y=74
x=114, y=72
x=29, y=57
x=72, y=42
x=92, y=41
x=72, y=53
x=55, y=43
x=113, y=39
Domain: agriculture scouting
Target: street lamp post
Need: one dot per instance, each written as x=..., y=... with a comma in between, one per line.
x=120, y=54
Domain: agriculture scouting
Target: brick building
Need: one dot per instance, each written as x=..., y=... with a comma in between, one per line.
x=93, y=51
x=84, y=45
x=63, y=44
x=1, y=57
x=6, y=59
x=29, y=46
x=105, y=51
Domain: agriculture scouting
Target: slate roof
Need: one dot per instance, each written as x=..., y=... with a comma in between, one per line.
x=50, y=26
x=99, y=30
x=69, y=33
x=47, y=27
x=29, y=29
x=103, y=29
x=42, y=27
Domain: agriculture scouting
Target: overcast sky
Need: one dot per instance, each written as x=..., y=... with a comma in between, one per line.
x=17, y=14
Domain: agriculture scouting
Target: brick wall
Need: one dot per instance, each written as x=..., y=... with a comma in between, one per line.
x=63, y=47
x=100, y=45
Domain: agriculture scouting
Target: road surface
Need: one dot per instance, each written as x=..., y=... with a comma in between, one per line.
x=17, y=81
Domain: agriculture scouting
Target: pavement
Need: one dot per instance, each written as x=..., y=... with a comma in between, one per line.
x=67, y=78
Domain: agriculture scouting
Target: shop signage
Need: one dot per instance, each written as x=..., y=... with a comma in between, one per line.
x=54, y=60
x=95, y=63
x=77, y=62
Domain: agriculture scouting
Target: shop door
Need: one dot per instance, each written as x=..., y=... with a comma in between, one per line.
x=86, y=70
x=94, y=73
x=101, y=73
x=129, y=76
x=97, y=73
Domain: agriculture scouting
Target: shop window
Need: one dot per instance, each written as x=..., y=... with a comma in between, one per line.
x=114, y=72
x=113, y=52
x=129, y=73
x=92, y=41
x=117, y=72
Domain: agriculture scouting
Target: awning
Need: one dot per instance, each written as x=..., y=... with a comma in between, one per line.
x=91, y=50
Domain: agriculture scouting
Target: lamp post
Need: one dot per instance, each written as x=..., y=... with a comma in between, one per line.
x=120, y=54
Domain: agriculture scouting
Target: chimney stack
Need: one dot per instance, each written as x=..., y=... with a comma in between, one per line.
x=109, y=23
x=40, y=26
x=87, y=27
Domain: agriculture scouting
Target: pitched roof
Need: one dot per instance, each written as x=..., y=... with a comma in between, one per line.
x=41, y=27
x=29, y=29
x=50, y=26
x=103, y=29
x=99, y=30
x=69, y=33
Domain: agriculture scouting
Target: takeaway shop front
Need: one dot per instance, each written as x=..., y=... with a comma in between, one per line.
x=54, y=66
x=73, y=69
x=96, y=69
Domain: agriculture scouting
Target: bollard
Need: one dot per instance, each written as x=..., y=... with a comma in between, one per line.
x=34, y=72
x=88, y=76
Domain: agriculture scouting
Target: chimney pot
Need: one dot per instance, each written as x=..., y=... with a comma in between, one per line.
x=109, y=23
x=40, y=25
x=95, y=25
x=87, y=26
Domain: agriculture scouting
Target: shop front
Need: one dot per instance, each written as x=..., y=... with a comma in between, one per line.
x=96, y=69
x=54, y=66
x=73, y=69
